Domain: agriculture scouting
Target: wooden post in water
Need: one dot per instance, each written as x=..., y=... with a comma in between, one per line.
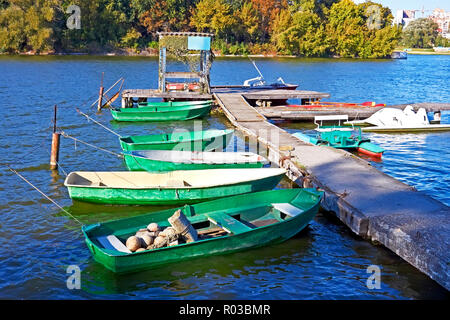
x=100, y=95
x=54, y=156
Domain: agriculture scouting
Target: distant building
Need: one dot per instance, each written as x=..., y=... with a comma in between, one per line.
x=442, y=18
x=404, y=17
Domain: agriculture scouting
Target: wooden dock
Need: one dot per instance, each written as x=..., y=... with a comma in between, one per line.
x=307, y=114
x=372, y=204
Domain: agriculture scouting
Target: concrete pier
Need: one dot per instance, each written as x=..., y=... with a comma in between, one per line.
x=372, y=204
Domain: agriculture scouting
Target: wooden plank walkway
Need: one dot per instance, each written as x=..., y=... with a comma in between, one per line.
x=372, y=204
x=303, y=114
x=236, y=106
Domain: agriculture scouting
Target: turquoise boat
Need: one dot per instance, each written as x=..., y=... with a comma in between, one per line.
x=170, y=160
x=174, y=103
x=223, y=226
x=161, y=113
x=168, y=188
x=206, y=140
x=340, y=136
x=343, y=138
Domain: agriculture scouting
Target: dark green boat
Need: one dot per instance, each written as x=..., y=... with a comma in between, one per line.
x=207, y=140
x=161, y=113
x=174, y=103
x=224, y=226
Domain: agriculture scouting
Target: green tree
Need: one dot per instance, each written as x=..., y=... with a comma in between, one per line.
x=247, y=22
x=300, y=34
x=27, y=25
x=214, y=15
x=420, y=33
x=380, y=37
x=344, y=30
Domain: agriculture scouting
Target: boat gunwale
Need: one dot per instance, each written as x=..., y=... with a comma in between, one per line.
x=185, y=161
x=225, y=132
x=282, y=171
x=141, y=109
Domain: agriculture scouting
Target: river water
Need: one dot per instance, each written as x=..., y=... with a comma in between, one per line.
x=325, y=261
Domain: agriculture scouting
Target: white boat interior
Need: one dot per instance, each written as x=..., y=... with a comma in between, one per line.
x=200, y=157
x=173, y=179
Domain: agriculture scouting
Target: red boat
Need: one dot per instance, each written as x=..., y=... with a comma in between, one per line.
x=325, y=104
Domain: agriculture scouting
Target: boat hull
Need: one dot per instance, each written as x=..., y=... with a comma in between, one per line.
x=429, y=128
x=136, y=163
x=174, y=103
x=169, y=196
x=276, y=233
x=192, y=141
x=153, y=113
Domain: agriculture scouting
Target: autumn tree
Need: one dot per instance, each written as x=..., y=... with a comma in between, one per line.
x=214, y=16
x=268, y=11
x=248, y=22
x=27, y=25
x=167, y=15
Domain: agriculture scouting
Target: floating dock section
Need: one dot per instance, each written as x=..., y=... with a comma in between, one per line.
x=354, y=113
x=372, y=204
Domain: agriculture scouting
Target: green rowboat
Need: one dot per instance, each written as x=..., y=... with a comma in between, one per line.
x=207, y=140
x=161, y=113
x=224, y=226
x=170, y=188
x=174, y=103
x=169, y=160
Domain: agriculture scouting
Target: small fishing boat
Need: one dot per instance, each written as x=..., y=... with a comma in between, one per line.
x=341, y=137
x=170, y=113
x=168, y=188
x=397, y=120
x=170, y=160
x=206, y=140
x=223, y=226
x=399, y=55
x=174, y=103
x=260, y=83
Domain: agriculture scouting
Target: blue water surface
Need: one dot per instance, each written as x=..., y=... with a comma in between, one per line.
x=325, y=261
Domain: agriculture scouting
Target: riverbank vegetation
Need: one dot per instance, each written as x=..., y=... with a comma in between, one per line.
x=423, y=34
x=311, y=28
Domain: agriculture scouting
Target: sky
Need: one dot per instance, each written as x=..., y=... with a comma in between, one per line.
x=395, y=5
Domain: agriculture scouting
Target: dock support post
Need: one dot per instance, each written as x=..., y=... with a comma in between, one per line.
x=100, y=95
x=54, y=156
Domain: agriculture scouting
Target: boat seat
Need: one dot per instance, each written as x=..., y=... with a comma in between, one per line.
x=111, y=242
x=228, y=223
x=98, y=184
x=177, y=183
x=287, y=209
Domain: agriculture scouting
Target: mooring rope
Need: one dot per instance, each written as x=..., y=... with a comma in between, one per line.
x=95, y=121
x=65, y=135
x=37, y=189
x=121, y=78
